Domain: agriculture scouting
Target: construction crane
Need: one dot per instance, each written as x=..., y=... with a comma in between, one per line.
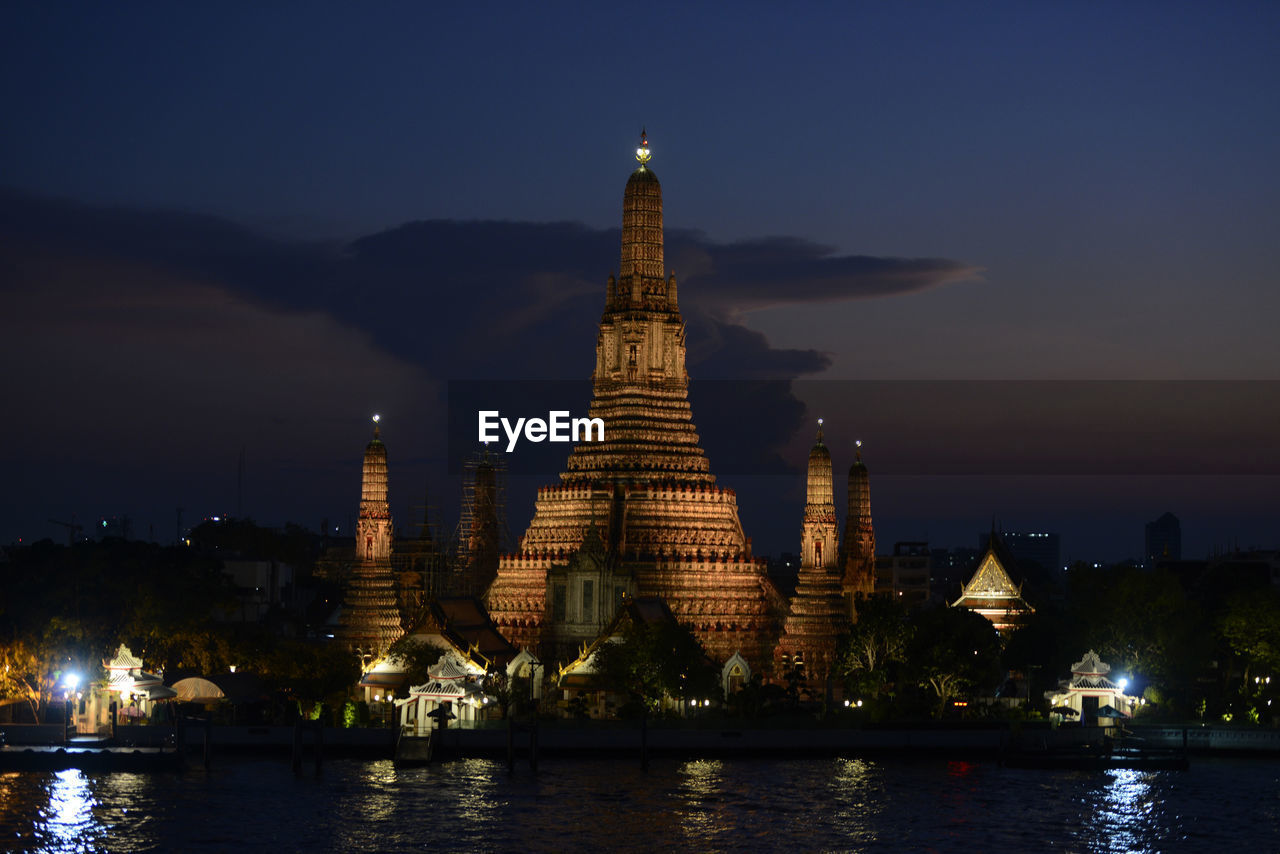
x=72, y=527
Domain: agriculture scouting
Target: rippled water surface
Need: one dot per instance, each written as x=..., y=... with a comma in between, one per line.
x=602, y=805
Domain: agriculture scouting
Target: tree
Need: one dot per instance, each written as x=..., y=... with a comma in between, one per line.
x=310, y=671
x=416, y=657
x=1250, y=627
x=25, y=675
x=953, y=652
x=877, y=641
x=1141, y=621
x=652, y=661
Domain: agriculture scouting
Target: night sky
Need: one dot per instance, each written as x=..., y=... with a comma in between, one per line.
x=1026, y=252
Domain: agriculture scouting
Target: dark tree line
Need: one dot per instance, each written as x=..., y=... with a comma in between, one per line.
x=1201, y=643
x=66, y=609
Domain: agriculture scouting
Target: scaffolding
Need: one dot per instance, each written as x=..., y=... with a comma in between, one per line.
x=422, y=565
x=482, y=533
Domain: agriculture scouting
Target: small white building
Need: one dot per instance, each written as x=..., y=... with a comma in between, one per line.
x=135, y=689
x=454, y=685
x=1089, y=690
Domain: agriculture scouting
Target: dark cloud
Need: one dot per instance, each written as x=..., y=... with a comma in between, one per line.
x=733, y=278
x=157, y=342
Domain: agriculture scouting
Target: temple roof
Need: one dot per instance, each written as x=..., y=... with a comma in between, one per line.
x=644, y=611
x=463, y=623
x=124, y=660
x=991, y=588
x=1090, y=665
x=991, y=581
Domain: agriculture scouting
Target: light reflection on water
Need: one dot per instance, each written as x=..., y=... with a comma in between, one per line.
x=1127, y=812
x=598, y=804
x=69, y=814
x=699, y=801
x=856, y=795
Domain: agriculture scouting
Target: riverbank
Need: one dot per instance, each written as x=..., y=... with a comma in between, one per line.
x=721, y=739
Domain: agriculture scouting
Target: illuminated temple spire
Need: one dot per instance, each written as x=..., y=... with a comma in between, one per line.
x=370, y=616
x=818, y=614
x=647, y=488
x=859, y=535
x=640, y=284
x=818, y=545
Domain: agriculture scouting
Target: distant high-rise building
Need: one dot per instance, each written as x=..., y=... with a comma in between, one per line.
x=905, y=573
x=1163, y=540
x=1040, y=547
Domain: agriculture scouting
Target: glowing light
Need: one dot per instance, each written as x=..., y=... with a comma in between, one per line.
x=233, y=668
x=376, y=418
x=71, y=680
x=1123, y=683
x=642, y=153
x=70, y=818
x=858, y=443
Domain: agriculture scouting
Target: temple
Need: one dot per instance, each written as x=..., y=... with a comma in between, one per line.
x=859, y=553
x=991, y=592
x=818, y=614
x=639, y=513
x=370, y=620
x=1089, y=693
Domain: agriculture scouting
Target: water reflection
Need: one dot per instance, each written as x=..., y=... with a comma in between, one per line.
x=1128, y=811
x=699, y=796
x=477, y=792
x=68, y=822
x=856, y=795
x=888, y=804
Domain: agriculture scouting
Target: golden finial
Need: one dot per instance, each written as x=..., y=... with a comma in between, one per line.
x=857, y=454
x=376, y=419
x=819, y=431
x=642, y=153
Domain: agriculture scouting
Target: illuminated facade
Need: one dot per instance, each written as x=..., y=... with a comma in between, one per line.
x=991, y=592
x=1090, y=689
x=818, y=614
x=370, y=620
x=859, y=537
x=659, y=523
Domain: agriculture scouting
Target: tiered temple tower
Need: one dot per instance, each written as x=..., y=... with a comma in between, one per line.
x=667, y=530
x=370, y=619
x=859, y=537
x=818, y=611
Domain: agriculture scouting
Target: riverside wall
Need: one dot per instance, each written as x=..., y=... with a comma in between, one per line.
x=685, y=739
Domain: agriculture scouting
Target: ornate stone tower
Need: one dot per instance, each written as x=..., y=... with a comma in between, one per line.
x=666, y=528
x=818, y=532
x=818, y=613
x=859, y=537
x=370, y=617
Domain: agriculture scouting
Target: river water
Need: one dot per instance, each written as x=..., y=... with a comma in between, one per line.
x=249, y=804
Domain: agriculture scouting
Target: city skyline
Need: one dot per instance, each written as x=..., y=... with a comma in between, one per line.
x=256, y=250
